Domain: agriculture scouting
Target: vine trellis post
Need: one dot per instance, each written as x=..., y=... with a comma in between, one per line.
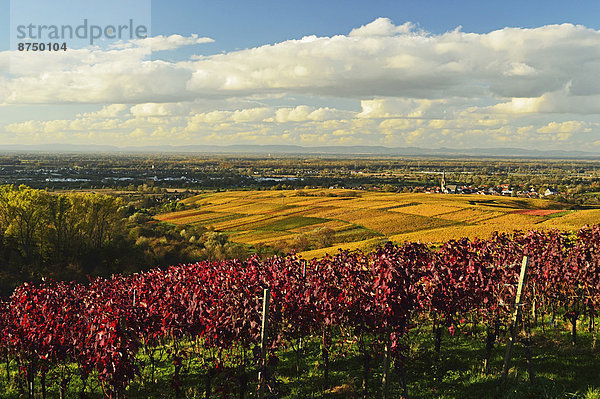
x=514, y=325
x=262, y=378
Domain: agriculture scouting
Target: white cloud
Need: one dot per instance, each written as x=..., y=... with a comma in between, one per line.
x=376, y=60
x=506, y=63
x=251, y=115
x=172, y=42
x=559, y=101
x=402, y=107
x=108, y=111
x=157, y=109
x=306, y=125
x=520, y=69
x=399, y=86
x=564, y=127
x=304, y=113
x=382, y=27
x=519, y=106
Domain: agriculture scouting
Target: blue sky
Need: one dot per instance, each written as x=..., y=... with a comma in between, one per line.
x=240, y=24
x=368, y=72
x=237, y=24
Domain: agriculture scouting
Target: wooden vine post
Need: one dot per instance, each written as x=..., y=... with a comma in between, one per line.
x=515, y=319
x=263, y=344
x=385, y=379
x=301, y=343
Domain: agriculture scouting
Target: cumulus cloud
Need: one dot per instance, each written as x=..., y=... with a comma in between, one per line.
x=559, y=101
x=251, y=114
x=378, y=59
x=511, y=62
x=157, y=109
x=163, y=123
x=513, y=86
x=304, y=113
x=520, y=69
x=382, y=27
x=161, y=43
x=564, y=127
x=108, y=111
x=403, y=107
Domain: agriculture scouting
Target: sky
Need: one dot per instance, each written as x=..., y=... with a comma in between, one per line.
x=429, y=74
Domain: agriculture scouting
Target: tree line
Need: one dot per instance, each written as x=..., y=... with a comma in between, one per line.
x=58, y=235
x=74, y=236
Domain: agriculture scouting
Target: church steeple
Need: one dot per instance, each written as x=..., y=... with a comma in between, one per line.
x=443, y=183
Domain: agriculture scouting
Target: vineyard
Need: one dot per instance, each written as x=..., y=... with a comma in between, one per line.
x=294, y=219
x=111, y=335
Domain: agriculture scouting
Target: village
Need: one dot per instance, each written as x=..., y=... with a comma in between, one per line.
x=503, y=189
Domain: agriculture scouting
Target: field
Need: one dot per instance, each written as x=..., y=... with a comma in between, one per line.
x=361, y=220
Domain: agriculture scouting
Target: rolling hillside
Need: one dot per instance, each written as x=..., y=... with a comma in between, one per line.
x=357, y=219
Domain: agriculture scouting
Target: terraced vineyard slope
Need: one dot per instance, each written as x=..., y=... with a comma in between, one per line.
x=361, y=220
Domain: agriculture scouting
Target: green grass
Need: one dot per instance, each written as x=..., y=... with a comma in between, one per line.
x=562, y=370
x=558, y=214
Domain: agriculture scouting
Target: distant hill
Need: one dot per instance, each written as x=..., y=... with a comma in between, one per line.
x=363, y=219
x=300, y=150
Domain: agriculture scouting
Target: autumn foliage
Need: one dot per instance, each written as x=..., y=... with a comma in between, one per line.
x=103, y=325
